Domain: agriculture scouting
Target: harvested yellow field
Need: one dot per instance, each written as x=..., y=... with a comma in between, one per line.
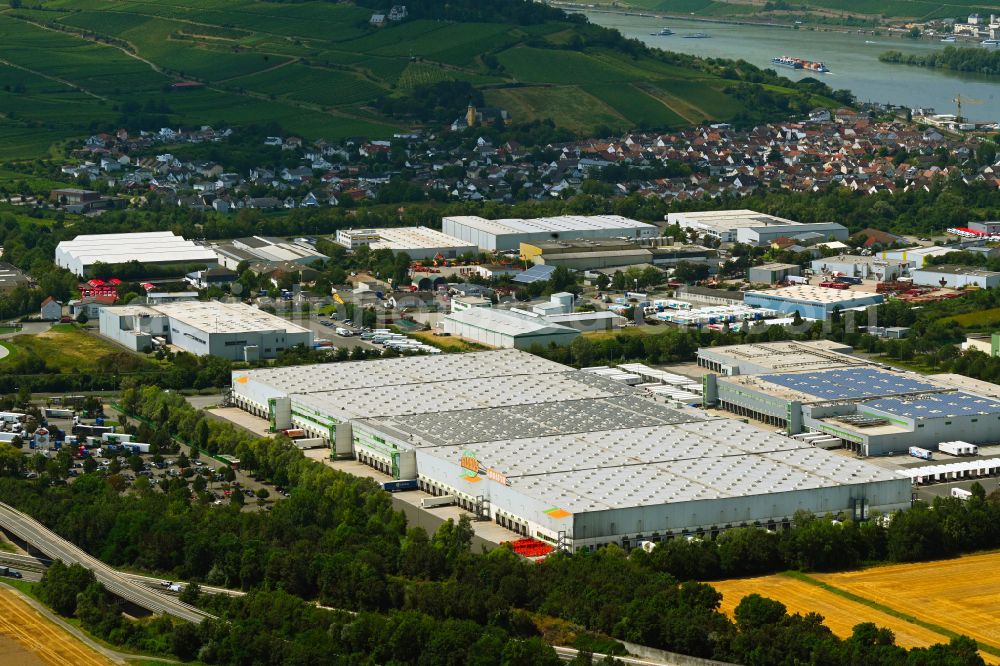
x=840, y=614
x=45, y=640
x=962, y=594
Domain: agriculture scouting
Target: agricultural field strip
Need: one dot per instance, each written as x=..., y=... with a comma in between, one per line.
x=961, y=595
x=51, y=644
x=839, y=613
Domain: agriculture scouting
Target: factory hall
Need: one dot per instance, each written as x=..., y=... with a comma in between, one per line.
x=576, y=459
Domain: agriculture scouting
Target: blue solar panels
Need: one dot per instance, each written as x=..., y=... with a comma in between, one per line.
x=936, y=405
x=538, y=273
x=848, y=383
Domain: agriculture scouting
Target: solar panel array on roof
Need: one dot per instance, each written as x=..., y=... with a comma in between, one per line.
x=937, y=405
x=538, y=273
x=848, y=383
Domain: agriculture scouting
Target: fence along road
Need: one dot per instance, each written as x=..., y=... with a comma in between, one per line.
x=32, y=532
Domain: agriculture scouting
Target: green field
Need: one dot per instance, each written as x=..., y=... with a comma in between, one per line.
x=66, y=348
x=315, y=68
x=981, y=319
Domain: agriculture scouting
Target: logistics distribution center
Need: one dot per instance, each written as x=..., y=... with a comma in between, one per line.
x=753, y=228
x=573, y=458
x=870, y=410
x=235, y=331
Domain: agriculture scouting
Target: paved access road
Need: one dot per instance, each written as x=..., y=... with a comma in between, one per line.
x=31, y=531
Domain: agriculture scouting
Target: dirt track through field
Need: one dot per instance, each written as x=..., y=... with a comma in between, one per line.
x=48, y=642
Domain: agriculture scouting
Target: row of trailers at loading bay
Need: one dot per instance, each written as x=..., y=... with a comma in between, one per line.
x=572, y=458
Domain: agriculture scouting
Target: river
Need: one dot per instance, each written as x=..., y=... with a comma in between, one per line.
x=851, y=57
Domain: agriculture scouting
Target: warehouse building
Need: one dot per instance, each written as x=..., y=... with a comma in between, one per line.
x=990, y=228
x=988, y=344
x=572, y=458
x=507, y=235
x=593, y=254
x=956, y=277
x=161, y=249
x=773, y=273
x=866, y=409
x=789, y=356
x=507, y=329
x=235, y=331
x=875, y=268
x=255, y=249
x=419, y=243
x=753, y=228
x=916, y=257
x=811, y=302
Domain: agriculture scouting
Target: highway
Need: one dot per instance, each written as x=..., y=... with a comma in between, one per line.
x=38, y=536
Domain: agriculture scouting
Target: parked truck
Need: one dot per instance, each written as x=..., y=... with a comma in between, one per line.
x=11, y=417
x=434, y=502
x=958, y=448
x=923, y=454
x=135, y=447
x=961, y=493
x=10, y=573
x=58, y=413
x=401, y=485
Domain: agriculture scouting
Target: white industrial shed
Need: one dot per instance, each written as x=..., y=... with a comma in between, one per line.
x=507, y=329
x=573, y=458
x=508, y=234
x=235, y=331
x=418, y=242
x=956, y=277
x=159, y=248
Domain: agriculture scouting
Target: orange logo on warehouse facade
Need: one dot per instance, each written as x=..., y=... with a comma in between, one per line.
x=473, y=471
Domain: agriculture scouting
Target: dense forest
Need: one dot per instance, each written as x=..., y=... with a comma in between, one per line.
x=978, y=60
x=427, y=599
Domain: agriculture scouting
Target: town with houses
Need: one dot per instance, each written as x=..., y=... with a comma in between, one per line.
x=845, y=147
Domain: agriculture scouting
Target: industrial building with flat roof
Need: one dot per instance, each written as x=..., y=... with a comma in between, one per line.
x=810, y=301
x=419, y=243
x=592, y=254
x=256, y=249
x=507, y=329
x=162, y=249
x=235, y=331
x=877, y=267
x=956, y=277
x=773, y=273
x=573, y=458
x=753, y=228
x=870, y=410
x=508, y=234
x=790, y=356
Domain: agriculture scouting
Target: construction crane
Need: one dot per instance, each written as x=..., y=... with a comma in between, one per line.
x=959, y=100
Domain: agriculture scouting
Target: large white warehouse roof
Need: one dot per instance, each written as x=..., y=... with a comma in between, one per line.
x=150, y=247
x=557, y=224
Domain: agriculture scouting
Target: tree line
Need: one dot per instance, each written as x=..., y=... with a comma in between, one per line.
x=981, y=61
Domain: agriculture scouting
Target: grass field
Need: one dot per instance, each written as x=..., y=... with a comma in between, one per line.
x=68, y=348
x=447, y=343
x=48, y=642
x=922, y=603
x=988, y=318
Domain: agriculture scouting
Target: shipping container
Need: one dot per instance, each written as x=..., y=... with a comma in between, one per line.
x=294, y=433
x=397, y=486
